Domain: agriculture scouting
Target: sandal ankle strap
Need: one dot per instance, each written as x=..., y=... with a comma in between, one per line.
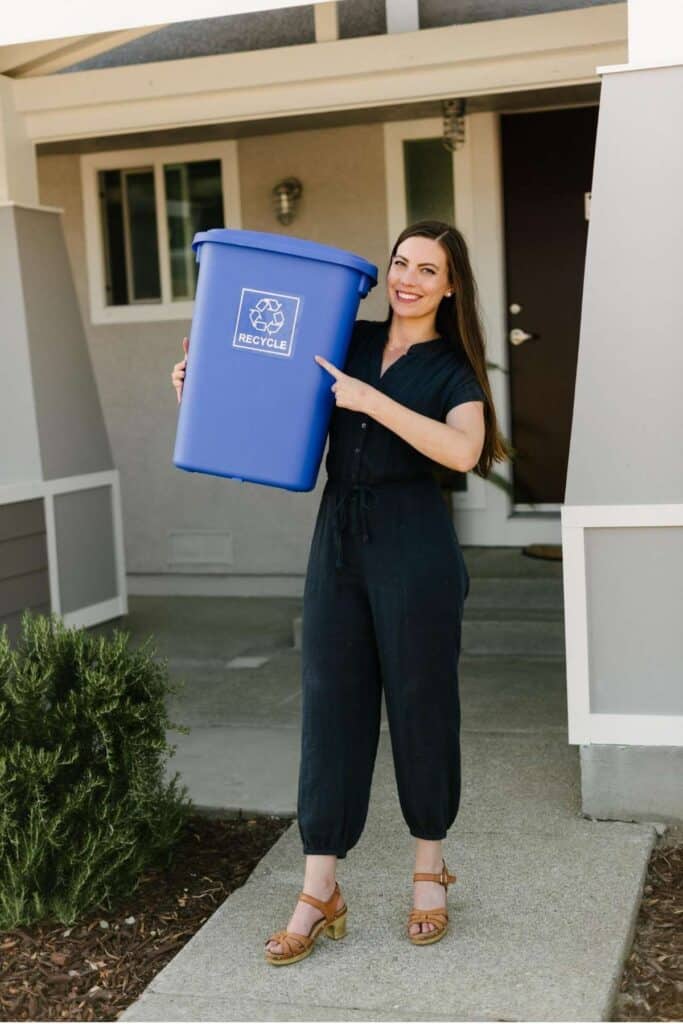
x=444, y=878
x=328, y=907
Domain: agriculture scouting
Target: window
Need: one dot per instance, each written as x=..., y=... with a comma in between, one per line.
x=143, y=208
x=430, y=190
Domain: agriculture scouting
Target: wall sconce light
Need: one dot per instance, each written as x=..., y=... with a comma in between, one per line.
x=453, y=114
x=285, y=197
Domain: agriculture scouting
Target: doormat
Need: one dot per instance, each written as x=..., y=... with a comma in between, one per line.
x=552, y=552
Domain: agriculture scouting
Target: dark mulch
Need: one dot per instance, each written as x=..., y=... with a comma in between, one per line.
x=97, y=968
x=652, y=983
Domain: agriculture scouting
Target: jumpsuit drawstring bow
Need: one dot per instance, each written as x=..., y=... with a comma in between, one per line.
x=358, y=495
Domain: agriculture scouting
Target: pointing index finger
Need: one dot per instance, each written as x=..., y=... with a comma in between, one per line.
x=330, y=367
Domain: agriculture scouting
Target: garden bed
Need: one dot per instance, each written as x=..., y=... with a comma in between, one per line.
x=652, y=983
x=98, y=967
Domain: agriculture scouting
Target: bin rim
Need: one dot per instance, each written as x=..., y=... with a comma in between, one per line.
x=287, y=245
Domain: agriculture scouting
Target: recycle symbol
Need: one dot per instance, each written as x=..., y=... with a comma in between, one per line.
x=267, y=315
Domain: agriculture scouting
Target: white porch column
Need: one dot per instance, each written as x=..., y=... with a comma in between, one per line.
x=18, y=175
x=59, y=490
x=622, y=522
x=655, y=33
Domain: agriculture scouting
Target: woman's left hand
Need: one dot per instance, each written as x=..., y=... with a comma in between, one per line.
x=349, y=392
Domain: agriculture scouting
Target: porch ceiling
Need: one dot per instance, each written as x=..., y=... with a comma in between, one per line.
x=352, y=78
x=532, y=99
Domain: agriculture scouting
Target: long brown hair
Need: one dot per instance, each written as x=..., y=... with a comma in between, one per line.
x=458, y=321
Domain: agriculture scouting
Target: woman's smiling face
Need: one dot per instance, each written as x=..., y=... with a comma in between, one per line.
x=418, y=277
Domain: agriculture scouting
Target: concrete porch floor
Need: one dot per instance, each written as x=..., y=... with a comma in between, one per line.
x=543, y=909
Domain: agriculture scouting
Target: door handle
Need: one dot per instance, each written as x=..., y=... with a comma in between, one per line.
x=517, y=336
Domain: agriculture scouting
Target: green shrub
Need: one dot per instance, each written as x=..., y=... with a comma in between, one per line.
x=84, y=808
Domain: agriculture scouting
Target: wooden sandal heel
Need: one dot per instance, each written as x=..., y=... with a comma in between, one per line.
x=337, y=930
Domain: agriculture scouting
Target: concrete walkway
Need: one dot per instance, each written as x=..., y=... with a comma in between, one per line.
x=543, y=909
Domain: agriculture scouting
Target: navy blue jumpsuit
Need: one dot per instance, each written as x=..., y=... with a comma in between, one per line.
x=383, y=602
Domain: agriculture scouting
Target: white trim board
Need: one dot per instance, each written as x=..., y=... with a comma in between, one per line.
x=32, y=206
x=10, y=493
x=96, y=613
x=156, y=157
x=585, y=726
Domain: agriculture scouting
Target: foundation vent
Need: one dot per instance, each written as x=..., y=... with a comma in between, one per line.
x=195, y=549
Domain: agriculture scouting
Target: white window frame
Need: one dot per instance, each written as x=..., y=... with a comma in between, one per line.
x=122, y=159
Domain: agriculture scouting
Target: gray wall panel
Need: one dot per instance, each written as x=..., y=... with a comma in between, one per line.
x=627, y=430
x=21, y=518
x=85, y=548
x=635, y=611
x=26, y=591
x=19, y=450
x=71, y=431
x=22, y=554
x=24, y=580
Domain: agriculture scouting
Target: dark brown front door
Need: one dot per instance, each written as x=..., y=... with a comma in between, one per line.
x=547, y=170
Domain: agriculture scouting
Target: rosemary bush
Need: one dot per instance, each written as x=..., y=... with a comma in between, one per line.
x=84, y=808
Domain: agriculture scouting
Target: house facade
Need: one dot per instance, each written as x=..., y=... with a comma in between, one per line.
x=503, y=116
x=140, y=146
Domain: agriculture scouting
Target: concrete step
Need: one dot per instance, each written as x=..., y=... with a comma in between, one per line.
x=515, y=630
x=543, y=637
x=509, y=592
x=514, y=606
x=498, y=562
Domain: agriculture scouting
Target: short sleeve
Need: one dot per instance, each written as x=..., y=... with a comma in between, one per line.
x=462, y=386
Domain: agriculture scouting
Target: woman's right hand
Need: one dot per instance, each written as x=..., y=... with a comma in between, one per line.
x=178, y=374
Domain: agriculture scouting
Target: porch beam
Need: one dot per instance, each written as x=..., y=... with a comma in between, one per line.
x=511, y=54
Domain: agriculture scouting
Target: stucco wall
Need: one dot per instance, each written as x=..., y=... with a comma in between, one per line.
x=343, y=204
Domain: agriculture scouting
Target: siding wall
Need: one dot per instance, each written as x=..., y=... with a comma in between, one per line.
x=23, y=563
x=343, y=204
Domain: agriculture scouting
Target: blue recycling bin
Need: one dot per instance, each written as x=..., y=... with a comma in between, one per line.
x=256, y=406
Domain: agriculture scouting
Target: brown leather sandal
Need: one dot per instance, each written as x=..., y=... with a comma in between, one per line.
x=438, y=916
x=297, y=946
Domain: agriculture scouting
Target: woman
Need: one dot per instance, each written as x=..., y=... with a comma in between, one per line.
x=386, y=580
